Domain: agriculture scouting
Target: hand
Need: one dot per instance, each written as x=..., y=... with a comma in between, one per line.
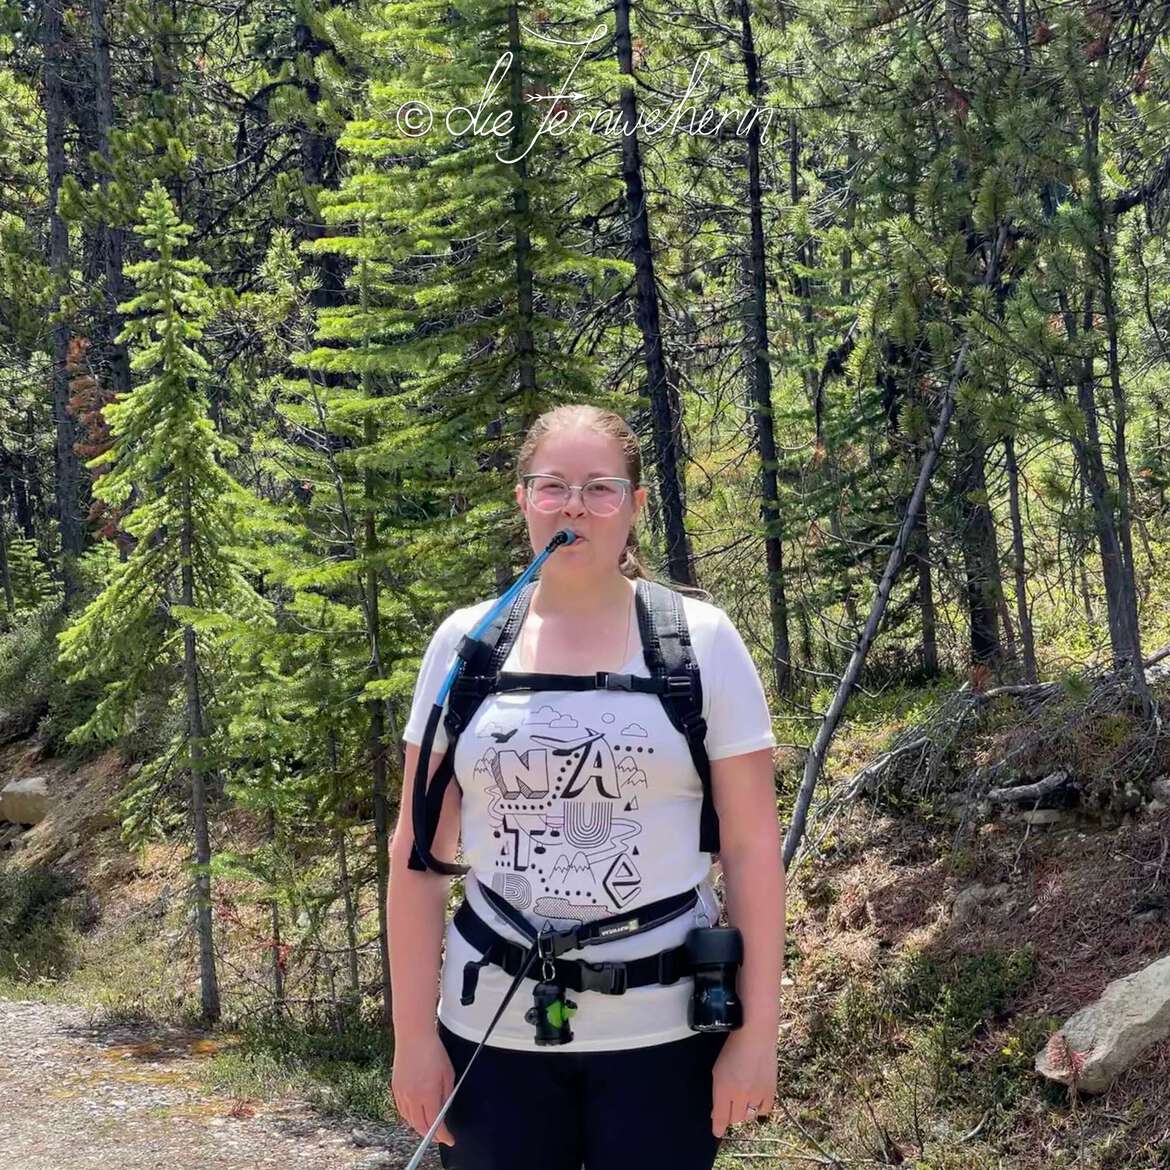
x=744, y=1074
x=422, y=1080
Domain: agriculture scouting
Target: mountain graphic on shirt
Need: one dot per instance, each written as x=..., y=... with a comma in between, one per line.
x=573, y=876
x=631, y=775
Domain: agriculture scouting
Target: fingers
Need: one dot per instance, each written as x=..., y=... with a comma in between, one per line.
x=731, y=1110
x=720, y=1114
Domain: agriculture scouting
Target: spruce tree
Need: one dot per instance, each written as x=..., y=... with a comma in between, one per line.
x=158, y=615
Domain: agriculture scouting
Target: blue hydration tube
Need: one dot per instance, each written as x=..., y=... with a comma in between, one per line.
x=419, y=819
x=422, y=846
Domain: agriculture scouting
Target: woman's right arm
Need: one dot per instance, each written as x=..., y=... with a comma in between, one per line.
x=416, y=906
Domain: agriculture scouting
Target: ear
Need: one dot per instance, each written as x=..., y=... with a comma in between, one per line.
x=639, y=503
x=521, y=498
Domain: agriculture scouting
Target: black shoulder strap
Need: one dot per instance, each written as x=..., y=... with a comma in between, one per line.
x=482, y=657
x=666, y=646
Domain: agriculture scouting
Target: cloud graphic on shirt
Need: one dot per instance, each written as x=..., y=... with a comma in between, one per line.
x=492, y=728
x=635, y=729
x=565, y=721
x=545, y=714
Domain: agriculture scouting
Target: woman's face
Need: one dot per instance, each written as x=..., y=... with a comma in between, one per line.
x=578, y=456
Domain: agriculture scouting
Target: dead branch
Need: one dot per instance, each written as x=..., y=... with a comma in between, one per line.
x=1029, y=791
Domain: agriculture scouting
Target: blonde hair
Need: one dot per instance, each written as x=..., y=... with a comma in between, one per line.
x=582, y=415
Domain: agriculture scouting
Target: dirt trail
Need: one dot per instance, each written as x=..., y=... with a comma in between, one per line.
x=125, y=1097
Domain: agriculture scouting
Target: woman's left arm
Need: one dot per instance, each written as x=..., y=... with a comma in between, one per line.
x=744, y=791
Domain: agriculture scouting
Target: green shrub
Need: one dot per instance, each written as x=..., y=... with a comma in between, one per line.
x=39, y=936
x=341, y=1066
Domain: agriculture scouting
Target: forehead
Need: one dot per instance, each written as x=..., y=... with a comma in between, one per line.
x=579, y=452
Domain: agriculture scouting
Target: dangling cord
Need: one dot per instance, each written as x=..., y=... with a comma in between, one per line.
x=430, y=1134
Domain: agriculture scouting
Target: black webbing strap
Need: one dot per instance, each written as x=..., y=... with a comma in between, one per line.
x=605, y=680
x=666, y=646
x=621, y=925
x=608, y=978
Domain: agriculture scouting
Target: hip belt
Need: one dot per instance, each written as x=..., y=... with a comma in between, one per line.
x=711, y=954
x=608, y=978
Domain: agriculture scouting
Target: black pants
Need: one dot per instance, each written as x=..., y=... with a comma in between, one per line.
x=630, y=1110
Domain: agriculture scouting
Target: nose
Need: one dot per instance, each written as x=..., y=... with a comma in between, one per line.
x=580, y=509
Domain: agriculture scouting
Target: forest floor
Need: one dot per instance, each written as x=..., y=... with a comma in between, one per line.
x=93, y=1095
x=910, y=1021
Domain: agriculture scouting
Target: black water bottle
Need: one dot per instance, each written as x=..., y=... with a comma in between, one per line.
x=714, y=954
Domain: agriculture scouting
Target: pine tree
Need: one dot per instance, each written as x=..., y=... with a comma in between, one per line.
x=158, y=616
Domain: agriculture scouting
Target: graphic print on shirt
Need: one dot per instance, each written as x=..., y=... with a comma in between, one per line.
x=561, y=799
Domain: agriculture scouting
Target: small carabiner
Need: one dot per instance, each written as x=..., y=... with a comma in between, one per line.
x=544, y=949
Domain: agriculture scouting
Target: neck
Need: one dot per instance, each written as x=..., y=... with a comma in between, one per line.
x=580, y=597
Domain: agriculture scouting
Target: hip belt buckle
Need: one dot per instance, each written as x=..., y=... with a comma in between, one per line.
x=608, y=978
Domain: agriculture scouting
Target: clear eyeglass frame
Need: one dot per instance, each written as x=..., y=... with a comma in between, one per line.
x=594, y=506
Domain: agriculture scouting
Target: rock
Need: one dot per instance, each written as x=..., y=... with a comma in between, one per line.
x=1157, y=806
x=25, y=802
x=1160, y=789
x=1106, y=1037
x=1041, y=816
x=970, y=903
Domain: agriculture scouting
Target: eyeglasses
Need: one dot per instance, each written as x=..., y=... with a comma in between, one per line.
x=602, y=496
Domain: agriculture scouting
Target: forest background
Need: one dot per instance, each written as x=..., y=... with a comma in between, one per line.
x=897, y=352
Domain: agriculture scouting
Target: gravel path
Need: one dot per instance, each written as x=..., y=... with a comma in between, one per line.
x=124, y=1097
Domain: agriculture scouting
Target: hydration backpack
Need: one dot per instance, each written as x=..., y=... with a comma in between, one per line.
x=674, y=678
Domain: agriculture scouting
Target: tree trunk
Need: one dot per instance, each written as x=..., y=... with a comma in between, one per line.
x=113, y=242
x=377, y=738
x=1019, y=565
x=661, y=390
x=761, y=381
x=926, y=593
x=525, y=341
x=5, y=569
x=820, y=745
x=66, y=468
x=208, y=980
x=346, y=888
x=1120, y=592
x=316, y=147
x=977, y=539
x=274, y=916
x=1120, y=410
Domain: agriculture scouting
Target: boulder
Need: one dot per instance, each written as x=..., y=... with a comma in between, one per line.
x=25, y=802
x=1102, y=1040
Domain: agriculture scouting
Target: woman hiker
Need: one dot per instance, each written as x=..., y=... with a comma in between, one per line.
x=581, y=806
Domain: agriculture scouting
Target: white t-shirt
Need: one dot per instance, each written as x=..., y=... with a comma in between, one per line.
x=578, y=805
